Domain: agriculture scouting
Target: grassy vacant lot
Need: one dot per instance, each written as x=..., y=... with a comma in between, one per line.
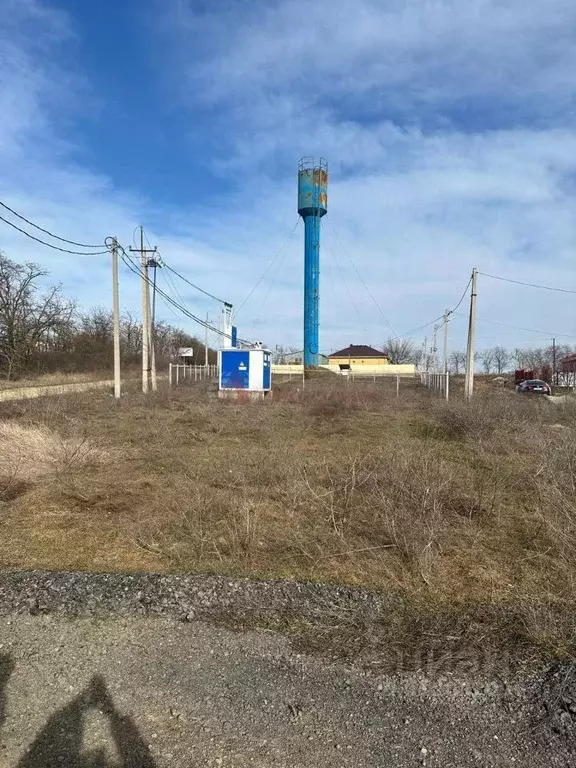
x=466, y=512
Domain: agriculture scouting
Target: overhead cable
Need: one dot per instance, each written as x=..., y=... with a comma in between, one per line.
x=137, y=271
x=46, y=231
x=163, y=263
x=529, y=285
x=378, y=307
x=551, y=334
x=193, y=285
x=451, y=311
x=348, y=291
x=49, y=245
x=419, y=328
x=270, y=265
x=440, y=317
x=272, y=282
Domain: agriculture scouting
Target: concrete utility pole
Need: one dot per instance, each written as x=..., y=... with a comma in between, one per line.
x=434, y=350
x=424, y=360
x=152, y=346
x=116, y=312
x=146, y=330
x=445, y=350
x=470, y=349
x=206, y=341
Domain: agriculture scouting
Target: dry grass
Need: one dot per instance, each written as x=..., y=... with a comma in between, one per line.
x=28, y=454
x=468, y=512
x=54, y=379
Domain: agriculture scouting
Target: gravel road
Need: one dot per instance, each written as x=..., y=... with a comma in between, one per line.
x=151, y=691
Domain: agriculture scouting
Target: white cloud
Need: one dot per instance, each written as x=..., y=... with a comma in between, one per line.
x=429, y=51
x=447, y=129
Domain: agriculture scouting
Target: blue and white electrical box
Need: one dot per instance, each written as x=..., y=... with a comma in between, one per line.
x=245, y=369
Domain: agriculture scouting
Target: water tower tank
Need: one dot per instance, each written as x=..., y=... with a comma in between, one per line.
x=312, y=187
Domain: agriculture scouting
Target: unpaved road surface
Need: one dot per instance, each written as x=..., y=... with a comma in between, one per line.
x=153, y=692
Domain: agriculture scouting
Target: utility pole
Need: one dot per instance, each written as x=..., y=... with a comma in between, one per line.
x=445, y=350
x=424, y=360
x=469, y=380
x=206, y=341
x=152, y=345
x=434, y=350
x=116, y=312
x=145, y=309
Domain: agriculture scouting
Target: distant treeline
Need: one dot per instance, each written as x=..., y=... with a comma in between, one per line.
x=497, y=359
x=42, y=331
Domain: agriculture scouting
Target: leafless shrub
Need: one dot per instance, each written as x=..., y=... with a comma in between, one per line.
x=29, y=453
x=481, y=418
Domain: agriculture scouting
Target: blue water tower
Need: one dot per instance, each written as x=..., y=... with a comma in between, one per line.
x=312, y=205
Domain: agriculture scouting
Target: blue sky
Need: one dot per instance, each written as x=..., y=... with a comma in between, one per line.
x=449, y=128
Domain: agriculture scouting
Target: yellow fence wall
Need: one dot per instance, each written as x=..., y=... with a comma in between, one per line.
x=363, y=361
x=364, y=370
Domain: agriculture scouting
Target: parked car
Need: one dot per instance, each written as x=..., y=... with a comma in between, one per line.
x=534, y=386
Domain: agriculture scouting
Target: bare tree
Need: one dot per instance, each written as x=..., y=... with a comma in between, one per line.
x=402, y=351
x=43, y=332
x=501, y=359
x=29, y=321
x=520, y=357
x=457, y=360
x=131, y=335
x=282, y=354
x=487, y=358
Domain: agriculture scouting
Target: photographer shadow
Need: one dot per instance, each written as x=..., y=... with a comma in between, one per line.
x=60, y=744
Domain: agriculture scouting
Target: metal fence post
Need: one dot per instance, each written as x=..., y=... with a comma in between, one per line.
x=397, y=385
x=170, y=374
x=177, y=373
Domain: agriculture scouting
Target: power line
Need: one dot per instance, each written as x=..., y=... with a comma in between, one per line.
x=529, y=285
x=193, y=285
x=272, y=282
x=169, y=306
x=539, y=331
x=179, y=305
x=440, y=317
x=49, y=245
x=170, y=300
x=452, y=311
x=164, y=295
x=378, y=307
x=419, y=328
x=167, y=266
x=346, y=286
x=46, y=231
x=270, y=265
x=173, y=287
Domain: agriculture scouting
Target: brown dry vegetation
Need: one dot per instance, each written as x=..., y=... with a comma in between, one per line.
x=468, y=512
